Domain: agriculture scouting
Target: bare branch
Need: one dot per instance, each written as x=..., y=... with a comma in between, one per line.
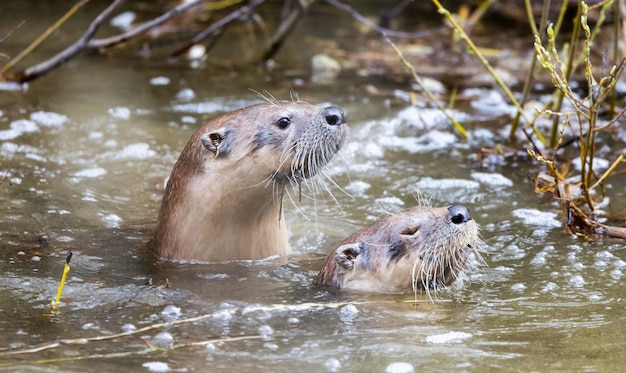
x=143, y=28
x=43, y=36
x=59, y=59
x=217, y=26
x=286, y=27
x=375, y=27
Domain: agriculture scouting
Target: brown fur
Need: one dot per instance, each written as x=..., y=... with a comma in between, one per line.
x=421, y=248
x=224, y=194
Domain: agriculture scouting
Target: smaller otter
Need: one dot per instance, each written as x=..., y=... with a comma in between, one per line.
x=422, y=248
x=223, y=199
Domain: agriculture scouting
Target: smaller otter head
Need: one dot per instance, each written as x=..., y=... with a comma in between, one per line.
x=423, y=249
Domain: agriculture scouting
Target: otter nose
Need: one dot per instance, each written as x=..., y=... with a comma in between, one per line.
x=334, y=116
x=459, y=214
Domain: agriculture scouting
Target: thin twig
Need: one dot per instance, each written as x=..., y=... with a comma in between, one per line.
x=59, y=59
x=430, y=96
x=43, y=36
x=147, y=26
x=483, y=60
x=286, y=26
x=375, y=27
x=217, y=26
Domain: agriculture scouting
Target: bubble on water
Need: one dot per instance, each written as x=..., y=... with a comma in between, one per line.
x=518, y=287
x=605, y=255
x=594, y=297
x=448, y=337
x=389, y=201
x=223, y=315
x=544, y=219
x=577, y=281
x=120, y=112
x=399, y=367
x=619, y=263
x=135, y=151
x=91, y=173
x=188, y=119
x=25, y=126
x=270, y=346
x=48, y=119
x=160, y=80
x=211, y=348
x=90, y=326
x=431, y=141
x=549, y=287
x=493, y=180
x=9, y=134
x=333, y=365
x=186, y=94
x=358, y=188
x=427, y=118
x=348, y=312
x=617, y=274
x=18, y=128
x=36, y=258
x=438, y=184
x=112, y=220
x=600, y=265
x=162, y=339
x=539, y=259
x=293, y=321
x=372, y=150
x=265, y=330
x=171, y=312
x=128, y=327
x=156, y=366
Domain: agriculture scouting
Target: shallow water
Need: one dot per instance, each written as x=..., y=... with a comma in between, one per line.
x=88, y=147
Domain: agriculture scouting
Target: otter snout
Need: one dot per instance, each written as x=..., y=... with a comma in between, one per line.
x=334, y=116
x=459, y=214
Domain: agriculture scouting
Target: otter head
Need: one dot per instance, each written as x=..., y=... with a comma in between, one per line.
x=420, y=249
x=223, y=197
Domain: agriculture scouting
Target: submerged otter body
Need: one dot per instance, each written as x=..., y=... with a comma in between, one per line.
x=422, y=248
x=223, y=199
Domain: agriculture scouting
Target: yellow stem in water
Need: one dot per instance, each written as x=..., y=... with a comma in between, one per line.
x=66, y=269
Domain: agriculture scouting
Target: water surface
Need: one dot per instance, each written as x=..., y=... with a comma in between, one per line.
x=87, y=150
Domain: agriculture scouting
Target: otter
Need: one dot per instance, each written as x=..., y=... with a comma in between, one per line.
x=419, y=249
x=223, y=199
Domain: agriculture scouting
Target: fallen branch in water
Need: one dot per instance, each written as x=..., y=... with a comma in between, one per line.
x=8, y=351
x=86, y=41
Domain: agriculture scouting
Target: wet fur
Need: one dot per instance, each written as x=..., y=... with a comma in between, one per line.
x=223, y=199
x=418, y=249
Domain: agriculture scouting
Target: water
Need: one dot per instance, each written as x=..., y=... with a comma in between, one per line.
x=88, y=148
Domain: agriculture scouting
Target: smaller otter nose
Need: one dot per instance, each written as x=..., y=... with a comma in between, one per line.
x=334, y=116
x=459, y=214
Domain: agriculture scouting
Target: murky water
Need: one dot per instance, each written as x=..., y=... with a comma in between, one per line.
x=88, y=147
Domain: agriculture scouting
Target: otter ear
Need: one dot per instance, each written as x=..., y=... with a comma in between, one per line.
x=345, y=255
x=217, y=142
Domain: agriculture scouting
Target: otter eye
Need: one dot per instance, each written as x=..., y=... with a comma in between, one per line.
x=409, y=231
x=283, y=123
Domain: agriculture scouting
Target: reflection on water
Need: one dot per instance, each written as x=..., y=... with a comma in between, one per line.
x=86, y=168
